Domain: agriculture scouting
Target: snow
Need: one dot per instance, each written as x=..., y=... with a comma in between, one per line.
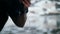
x=35, y=23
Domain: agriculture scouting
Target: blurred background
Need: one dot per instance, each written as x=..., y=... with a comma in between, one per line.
x=43, y=18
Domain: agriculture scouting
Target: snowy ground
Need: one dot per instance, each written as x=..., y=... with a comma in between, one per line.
x=36, y=23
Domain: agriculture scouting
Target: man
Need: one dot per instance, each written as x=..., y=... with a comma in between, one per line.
x=16, y=9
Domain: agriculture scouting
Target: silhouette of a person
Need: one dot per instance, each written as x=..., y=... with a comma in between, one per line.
x=16, y=9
